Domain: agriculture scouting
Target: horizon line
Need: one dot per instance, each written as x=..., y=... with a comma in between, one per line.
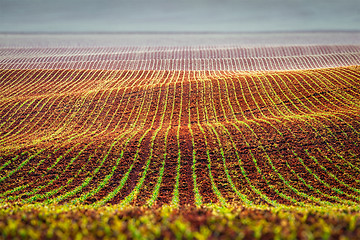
x=175, y=32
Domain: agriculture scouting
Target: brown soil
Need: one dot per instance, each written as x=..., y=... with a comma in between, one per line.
x=286, y=137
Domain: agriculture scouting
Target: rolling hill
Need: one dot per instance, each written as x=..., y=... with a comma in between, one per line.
x=222, y=140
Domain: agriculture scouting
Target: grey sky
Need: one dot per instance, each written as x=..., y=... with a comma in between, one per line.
x=178, y=16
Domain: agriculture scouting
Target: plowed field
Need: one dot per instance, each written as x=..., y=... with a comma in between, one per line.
x=256, y=153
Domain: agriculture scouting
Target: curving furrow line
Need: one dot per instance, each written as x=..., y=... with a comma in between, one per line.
x=309, y=116
x=233, y=116
x=259, y=170
x=126, y=140
x=134, y=193
x=110, y=196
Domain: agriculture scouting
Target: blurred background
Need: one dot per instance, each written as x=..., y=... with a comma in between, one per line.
x=178, y=16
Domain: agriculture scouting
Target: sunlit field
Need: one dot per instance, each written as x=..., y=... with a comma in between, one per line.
x=185, y=136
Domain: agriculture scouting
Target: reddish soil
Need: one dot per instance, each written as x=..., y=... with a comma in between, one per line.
x=282, y=136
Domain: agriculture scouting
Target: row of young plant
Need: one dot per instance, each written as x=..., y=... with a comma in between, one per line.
x=183, y=58
x=354, y=196
x=82, y=133
x=220, y=130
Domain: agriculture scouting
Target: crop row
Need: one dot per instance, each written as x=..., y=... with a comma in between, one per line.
x=180, y=137
x=225, y=58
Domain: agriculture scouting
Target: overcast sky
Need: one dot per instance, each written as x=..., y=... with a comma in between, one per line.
x=178, y=15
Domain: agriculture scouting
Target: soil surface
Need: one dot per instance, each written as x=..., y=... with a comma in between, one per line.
x=180, y=137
